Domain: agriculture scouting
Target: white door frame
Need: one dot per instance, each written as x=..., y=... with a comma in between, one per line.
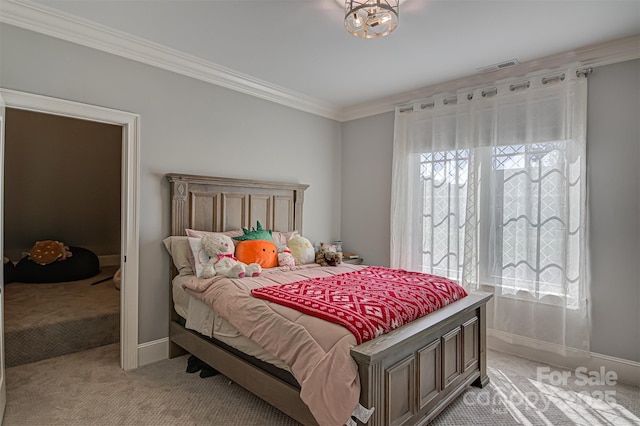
x=130, y=230
x=3, y=380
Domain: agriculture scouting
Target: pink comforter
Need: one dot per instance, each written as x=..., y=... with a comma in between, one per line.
x=317, y=351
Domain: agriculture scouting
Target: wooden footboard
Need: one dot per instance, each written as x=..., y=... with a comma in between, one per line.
x=411, y=374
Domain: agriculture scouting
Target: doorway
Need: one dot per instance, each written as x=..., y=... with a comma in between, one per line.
x=129, y=232
x=62, y=180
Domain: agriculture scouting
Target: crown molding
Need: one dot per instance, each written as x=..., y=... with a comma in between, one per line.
x=38, y=18
x=596, y=55
x=45, y=20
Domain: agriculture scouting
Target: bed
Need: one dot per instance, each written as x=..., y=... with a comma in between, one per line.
x=408, y=375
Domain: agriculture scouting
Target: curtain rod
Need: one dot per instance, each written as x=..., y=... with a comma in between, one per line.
x=525, y=84
x=584, y=71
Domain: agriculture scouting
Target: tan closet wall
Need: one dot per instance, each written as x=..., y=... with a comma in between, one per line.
x=62, y=182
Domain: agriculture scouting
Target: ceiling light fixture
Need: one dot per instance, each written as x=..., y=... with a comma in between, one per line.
x=371, y=18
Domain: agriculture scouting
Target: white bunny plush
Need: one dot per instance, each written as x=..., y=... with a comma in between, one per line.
x=220, y=249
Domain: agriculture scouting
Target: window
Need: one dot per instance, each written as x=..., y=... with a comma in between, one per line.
x=489, y=189
x=524, y=212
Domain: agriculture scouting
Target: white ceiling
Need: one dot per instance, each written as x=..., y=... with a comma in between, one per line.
x=302, y=46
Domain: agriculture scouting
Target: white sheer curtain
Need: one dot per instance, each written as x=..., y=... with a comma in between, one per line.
x=489, y=188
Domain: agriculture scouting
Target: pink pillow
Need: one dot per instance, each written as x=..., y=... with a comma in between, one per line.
x=282, y=238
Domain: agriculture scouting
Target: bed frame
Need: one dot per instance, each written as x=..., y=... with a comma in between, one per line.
x=409, y=375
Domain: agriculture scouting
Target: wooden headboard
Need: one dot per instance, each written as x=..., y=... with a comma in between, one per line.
x=223, y=204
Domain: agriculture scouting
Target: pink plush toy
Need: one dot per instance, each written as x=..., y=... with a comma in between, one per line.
x=285, y=258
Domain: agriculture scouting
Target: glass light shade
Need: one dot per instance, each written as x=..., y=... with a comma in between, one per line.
x=371, y=18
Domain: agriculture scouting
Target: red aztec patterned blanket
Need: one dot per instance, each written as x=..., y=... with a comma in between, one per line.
x=369, y=302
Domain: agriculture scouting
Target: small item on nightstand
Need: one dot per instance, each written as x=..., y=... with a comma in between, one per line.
x=352, y=258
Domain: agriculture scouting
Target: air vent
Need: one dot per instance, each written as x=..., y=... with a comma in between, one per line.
x=496, y=67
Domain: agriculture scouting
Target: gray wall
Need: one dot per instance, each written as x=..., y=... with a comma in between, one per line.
x=187, y=126
x=613, y=136
x=61, y=182
x=366, y=190
x=614, y=183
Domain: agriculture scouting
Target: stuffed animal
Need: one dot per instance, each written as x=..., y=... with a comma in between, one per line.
x=285, y=258
x=220, y=248
x=301, y=249
x=328, y=257
x=48, y=251
x=256, y=233
x=262, y=252
x=117, y=278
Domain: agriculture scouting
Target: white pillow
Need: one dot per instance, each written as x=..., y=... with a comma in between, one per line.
x=200, y=234
x=200, y=258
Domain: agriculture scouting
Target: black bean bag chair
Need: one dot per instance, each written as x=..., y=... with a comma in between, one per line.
x=9, y=272
x=83, y=264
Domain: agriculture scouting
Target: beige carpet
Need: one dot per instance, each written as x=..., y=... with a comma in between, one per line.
x=88, y=388
x=51, y=319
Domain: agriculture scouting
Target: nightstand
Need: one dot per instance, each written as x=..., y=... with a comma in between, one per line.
x=352, y=258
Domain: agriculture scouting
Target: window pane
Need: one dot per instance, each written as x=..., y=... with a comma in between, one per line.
x=444, y=178
x=531, y=219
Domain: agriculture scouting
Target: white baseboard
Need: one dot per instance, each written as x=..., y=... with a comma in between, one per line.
x=109, y=260
x=628, y=372
x=154, y=351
